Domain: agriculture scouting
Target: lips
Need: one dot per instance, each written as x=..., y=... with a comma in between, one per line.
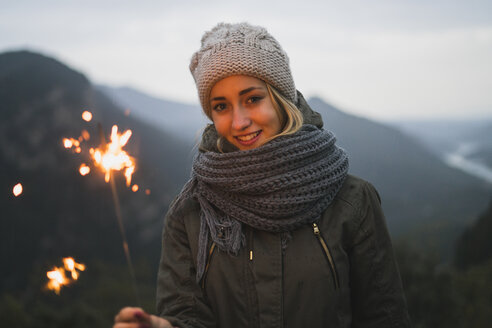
x=248, y=139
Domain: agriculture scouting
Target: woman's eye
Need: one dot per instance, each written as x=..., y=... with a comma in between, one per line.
x=254, y=99
x=219, y=107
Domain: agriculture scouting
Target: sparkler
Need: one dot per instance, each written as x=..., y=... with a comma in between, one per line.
x=58, y=278
x=109, y=157
x=112, y=158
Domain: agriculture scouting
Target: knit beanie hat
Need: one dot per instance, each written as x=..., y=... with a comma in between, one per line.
x=240, y=49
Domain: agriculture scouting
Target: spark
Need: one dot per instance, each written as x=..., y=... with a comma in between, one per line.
x=72, y=266
x=17, y=190
x=84, y=169
x=70, y=142
x=57, y=277
x=87, y=116
x=86, y=135
x=67, y=143
x=135, y=188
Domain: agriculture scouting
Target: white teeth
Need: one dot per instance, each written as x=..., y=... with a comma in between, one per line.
x=248, y=137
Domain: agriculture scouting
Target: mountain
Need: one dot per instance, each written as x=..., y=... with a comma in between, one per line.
x=463, y=144
x=445, y=135
x=481, y=138
x=60, y=212
x=474, y=247
x=419, y=192
x=186, y=121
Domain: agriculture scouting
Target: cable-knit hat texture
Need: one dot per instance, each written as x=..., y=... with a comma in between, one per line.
x=240, y=49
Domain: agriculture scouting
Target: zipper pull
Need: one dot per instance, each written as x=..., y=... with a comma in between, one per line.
x=251, y=255
x=315, y=229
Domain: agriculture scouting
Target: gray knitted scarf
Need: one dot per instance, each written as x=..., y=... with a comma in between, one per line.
x=277, y=187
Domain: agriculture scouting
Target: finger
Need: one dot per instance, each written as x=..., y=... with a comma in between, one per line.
x=129, y=314
x=158, y=322
x=143, y=316
x=132, y=325
x=127, y=325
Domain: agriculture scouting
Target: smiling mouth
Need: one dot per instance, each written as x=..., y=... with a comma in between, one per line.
x=248, y=137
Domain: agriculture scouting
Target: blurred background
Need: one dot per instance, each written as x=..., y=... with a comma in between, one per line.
x=404, y=85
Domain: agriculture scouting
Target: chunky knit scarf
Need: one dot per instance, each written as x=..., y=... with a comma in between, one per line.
x=278, y=187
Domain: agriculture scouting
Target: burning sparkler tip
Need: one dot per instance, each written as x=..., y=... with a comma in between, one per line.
x=113, y=157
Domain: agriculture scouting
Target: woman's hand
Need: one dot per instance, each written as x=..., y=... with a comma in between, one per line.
x=131, y=317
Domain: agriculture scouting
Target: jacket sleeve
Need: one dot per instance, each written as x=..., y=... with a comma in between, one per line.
x=179, y=298
x=376, y=289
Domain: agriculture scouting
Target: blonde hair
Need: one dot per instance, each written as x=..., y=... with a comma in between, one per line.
x=290, y=116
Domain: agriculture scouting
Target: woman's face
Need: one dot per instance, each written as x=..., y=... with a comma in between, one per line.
x=243, y=112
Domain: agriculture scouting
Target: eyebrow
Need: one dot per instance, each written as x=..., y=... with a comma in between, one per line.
x=247, y=90
x=242, y=92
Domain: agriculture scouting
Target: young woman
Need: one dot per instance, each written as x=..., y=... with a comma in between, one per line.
x=270, y=231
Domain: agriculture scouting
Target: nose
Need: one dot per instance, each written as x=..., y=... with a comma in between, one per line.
x=240, y=118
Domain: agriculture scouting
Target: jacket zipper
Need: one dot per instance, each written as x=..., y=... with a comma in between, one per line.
x=209, y=258
x=317, y=233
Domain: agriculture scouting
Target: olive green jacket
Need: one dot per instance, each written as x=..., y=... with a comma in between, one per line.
x=340, y=272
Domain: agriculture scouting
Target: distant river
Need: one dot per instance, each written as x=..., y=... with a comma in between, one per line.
x=457, y=159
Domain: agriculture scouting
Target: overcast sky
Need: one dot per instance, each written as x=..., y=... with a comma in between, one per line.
x=379, y=59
